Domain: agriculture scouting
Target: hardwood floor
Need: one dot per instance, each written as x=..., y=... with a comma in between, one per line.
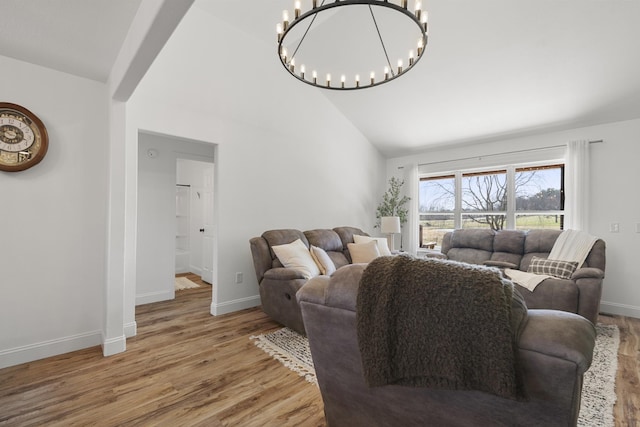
x=627, y=408
x=188, y=368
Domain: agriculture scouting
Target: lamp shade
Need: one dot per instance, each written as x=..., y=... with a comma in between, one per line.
x=390, y=225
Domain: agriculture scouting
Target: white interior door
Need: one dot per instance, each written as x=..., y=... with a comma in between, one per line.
x=207, y=226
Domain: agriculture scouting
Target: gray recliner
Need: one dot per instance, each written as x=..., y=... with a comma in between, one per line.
x=553, y=351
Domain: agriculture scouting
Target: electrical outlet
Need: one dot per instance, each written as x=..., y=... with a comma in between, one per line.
x=614, y=227
x=239, y=277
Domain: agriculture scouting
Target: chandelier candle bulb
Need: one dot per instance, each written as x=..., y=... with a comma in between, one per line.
x=386, y=73
x=315, y=4
x=296, y=10
x=357, y=80
x=285, y=19
x=410, y=58
x=399, y=66
x=302, y=70
x=314, y=74
x=403, y=3
x=420, y=46
x=424, y=19
x=328, y=80
x=279, y=31
x=372, y=76
x=292, y=64
x=342, y=79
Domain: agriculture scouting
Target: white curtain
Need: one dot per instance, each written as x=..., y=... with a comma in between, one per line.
x=577, y=186
x=410, y=228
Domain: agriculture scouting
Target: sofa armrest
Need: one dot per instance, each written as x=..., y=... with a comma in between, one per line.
x=587, y=273
x=283, y=273
x=261, y=256
x=559, y=334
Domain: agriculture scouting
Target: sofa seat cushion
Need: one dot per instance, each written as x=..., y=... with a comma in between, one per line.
x=469, y=255
x=553, y=294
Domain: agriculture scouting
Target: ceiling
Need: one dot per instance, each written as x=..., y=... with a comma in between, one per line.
x=493, y=69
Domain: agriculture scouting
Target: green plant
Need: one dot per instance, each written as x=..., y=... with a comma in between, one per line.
x=393, y=204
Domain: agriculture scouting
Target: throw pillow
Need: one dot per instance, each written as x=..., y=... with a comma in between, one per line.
x=552, y=267
x=383, y=246
x=320, y=256
x=296, y=255
x=363, y=253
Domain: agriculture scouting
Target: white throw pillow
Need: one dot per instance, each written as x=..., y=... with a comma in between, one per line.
x=296, y=255
x=322, y=259
x=363, y=253
x=383, y=247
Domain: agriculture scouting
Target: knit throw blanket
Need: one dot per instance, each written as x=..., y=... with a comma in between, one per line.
x=436, y=323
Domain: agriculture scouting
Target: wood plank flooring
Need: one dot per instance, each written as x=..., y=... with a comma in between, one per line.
x=188, y=368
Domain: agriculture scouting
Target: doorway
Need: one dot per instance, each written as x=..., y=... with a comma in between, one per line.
x=175, y=183
x=194, y=218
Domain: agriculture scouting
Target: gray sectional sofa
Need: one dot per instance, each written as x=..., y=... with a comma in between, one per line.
x=279, y=285
x=515, y=249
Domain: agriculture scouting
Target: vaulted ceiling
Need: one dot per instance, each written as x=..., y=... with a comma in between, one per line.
x=492, y=69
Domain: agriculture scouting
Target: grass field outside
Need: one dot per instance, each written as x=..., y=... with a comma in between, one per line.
x=434, y=229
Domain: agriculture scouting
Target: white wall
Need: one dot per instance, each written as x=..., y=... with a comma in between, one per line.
x=614, y=178
x=156, y=225
x=52, y=268
x=286, y=157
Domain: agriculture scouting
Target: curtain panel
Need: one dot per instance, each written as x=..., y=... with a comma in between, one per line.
x=577, y=185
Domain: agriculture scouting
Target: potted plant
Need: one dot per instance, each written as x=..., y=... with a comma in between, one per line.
x=393, y=203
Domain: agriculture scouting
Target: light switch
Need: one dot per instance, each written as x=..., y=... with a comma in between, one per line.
x=614, y=227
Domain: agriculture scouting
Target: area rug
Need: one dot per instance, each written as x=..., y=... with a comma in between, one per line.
x=598, y=392
x=184, y=283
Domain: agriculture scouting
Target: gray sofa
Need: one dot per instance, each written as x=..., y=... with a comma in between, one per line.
x=554, y=349
x=515, y=248
x=278, y=285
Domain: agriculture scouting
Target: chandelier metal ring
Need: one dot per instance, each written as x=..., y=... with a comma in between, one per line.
x=418, y=17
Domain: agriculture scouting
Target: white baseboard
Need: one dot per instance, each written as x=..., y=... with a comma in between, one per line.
x=154, y=297
x=619, y=309
x=31, y=352
x=113, y=346
x=235, y=305
x=195, y=270
x=130, y=329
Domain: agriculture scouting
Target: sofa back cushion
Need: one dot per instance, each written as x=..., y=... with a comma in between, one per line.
x=282, y=237
x=346, y=236
x=538, y=243
x=330, y=241
x=473, y=246
x=508, y=247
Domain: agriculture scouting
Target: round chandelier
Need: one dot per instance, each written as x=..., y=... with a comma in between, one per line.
x=295, y=35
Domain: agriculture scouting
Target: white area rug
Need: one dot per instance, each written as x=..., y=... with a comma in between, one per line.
x=599, y=389
x=184, y=283
x=598, y=392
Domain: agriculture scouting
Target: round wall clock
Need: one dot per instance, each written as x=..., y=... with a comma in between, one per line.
x=23, y=138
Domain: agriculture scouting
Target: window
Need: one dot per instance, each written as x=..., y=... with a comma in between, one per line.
x=505, y=198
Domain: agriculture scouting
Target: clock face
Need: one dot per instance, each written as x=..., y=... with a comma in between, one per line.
x=23, y=138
